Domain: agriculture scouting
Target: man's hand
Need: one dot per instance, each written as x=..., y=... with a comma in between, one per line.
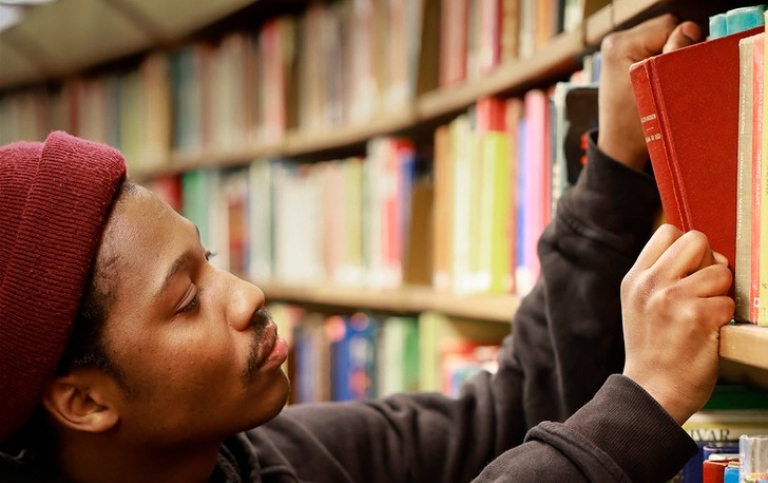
x=621, y=135
x=674, y=303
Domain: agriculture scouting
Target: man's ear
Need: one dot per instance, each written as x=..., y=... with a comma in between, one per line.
x=83, y=400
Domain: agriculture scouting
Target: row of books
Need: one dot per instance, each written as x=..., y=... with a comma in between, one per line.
x=341, y=357
x=336, y=64
x=732, y=434
x=478, y=35
x=464, y=217
x=752, y=179
x=712, y=168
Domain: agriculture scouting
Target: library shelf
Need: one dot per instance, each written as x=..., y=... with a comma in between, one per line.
x=412, y=299
x=301, y=143
x=558, y=57
x=624, y=13
x=746, y=344
x=226, y=158
x=619, y=12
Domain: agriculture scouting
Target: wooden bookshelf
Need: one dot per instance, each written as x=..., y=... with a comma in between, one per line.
x=301, y=143
x=605, y=20
x=83, y=34
x=239, y=157
x=742, y=343
x=498, y=308
x=745, y=343
x=558, y=58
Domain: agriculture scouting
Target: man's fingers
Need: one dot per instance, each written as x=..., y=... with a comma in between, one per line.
x=685, y=34
x=661, y=240
x=653, y=34
x=720, y=258
x=711, y=281
x=688, y=254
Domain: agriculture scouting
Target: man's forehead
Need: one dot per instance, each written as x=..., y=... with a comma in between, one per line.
x=143, y=228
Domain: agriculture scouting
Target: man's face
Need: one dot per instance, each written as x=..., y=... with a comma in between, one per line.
x=200, y=359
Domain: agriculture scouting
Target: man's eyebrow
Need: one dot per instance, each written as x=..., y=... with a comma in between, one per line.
x=184, y=260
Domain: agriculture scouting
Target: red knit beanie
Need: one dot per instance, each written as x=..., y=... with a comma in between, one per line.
x=55, y=198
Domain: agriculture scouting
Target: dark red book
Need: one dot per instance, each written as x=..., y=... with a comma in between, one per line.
x=688, y=101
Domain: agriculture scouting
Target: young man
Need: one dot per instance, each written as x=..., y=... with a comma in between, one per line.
x=126, y=357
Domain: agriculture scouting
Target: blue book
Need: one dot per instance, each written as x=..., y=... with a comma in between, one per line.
x=337, y=331
x=731, y=474
x=744, y=18
x=736, y=20
x=717, y=26
x=692, y=471
x=361, y=346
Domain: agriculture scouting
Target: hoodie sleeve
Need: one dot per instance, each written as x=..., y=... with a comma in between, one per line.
x=567, y=341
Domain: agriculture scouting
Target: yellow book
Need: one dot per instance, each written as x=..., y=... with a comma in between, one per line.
x=762, y=183
x=495, y=213
x=438, y=331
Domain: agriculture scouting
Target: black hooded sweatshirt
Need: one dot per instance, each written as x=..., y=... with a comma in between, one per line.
x=557, y=410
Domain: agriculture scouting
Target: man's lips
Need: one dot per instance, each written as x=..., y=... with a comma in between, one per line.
x=273, y=350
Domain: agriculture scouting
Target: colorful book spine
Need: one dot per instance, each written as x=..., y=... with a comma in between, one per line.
x=753, y=458
x=736, y=20
x=743, y=260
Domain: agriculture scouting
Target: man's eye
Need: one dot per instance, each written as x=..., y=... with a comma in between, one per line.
x=209, y=254
x=192, y=305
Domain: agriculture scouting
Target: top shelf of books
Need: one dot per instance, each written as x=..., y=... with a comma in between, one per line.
x=81, y=34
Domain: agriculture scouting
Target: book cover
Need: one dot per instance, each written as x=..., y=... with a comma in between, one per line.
x=510, y=29
x=438, y=333
x=720, y=430
x=743, y=254
x=261, y=208
x=352, y=269
x=353, y=356
x=442, y=221
x=694, y=155
x=758, y=227
x=575, y=114
x=534, y=190
x=397, y=353
x=462, y=360
x=453, y=41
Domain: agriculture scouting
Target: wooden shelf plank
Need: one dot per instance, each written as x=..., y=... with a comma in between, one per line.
x=498, y=308
x=234, y=157
x=331, y=138
x=619, y=12
x=557, y=57
x=745, y=343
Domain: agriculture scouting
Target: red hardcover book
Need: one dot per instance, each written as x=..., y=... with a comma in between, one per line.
x=688, y=102
x=713, y=471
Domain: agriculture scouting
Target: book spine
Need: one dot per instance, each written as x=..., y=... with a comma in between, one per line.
x=744, y=185
x=757, y=141
x=642, y=82
x=753, y=458
x=744, y=18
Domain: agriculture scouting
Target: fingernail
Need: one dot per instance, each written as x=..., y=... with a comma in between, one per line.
x=719, y=258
